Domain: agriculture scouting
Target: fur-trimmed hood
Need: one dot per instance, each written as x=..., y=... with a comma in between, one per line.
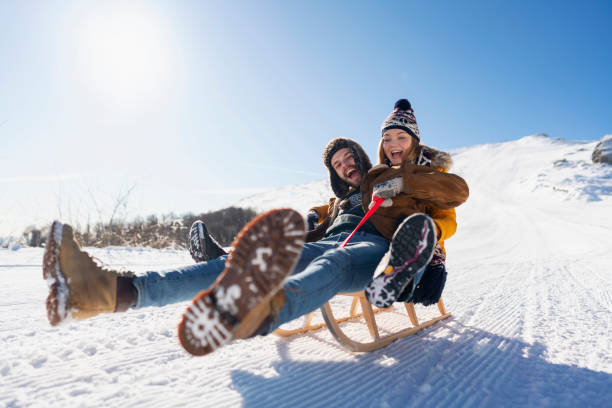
x=434, y=158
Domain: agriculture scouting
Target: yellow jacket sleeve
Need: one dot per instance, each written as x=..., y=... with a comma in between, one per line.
x=446, y=221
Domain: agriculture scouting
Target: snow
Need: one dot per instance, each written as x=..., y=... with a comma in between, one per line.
x=603, y=150
x=529, y=288
x=300, y=198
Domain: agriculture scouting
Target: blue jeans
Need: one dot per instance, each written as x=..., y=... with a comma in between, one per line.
x=322, y=271
x=176, y=285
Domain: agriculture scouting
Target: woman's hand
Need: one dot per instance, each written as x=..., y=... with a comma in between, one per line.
x=387, y=190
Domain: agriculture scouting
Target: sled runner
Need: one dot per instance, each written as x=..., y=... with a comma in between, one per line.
x=368, y=314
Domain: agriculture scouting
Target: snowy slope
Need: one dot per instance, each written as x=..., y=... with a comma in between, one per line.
x=530, y=289
x=300, y=198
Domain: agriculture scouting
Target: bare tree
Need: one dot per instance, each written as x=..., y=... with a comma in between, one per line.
x=121, y=202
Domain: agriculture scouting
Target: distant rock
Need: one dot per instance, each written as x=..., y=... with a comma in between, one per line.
x=603, y=151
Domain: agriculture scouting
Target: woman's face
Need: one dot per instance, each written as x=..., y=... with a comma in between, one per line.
x=395, y=143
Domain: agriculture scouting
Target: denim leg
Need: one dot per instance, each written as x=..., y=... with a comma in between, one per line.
x=180, y=284
x=312, y=250
x=176, y=285
x=337, y=270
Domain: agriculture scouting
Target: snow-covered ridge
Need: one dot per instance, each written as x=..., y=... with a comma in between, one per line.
x=533, y=166
x=536, y=166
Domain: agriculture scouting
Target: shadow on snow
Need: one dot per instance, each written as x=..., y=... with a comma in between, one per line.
x=475, y=368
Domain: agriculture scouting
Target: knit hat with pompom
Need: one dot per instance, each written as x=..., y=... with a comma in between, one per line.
x=403, y=118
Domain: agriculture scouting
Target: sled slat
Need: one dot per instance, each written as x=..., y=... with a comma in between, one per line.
x=441, y=307
x=311, y=327
x=411, y=313
x=308, y=326
x=308, y=320
x=354, y=304
x=368, y=315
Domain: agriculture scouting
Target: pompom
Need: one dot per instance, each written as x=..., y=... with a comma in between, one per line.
x=402, y=104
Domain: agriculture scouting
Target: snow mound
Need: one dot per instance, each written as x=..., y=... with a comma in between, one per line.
x=14, y=243
x=603, y=151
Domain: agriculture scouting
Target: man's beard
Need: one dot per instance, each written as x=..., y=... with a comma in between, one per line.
x=348, y=180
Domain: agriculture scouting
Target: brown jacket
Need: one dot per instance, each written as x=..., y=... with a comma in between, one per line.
x=426, y=190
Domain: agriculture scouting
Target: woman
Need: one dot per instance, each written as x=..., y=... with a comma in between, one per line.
x=401, y=178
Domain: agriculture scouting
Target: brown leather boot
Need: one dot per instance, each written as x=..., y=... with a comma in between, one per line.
x=250, y=288
x=78, y=286
x=259, y=319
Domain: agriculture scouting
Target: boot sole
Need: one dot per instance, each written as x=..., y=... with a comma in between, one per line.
x=265, y=252
x=202, y=246
x=57, y=301
x=196, y=241
x=412, y=248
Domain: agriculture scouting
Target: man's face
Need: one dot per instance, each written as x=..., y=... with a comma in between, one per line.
x=343, y=163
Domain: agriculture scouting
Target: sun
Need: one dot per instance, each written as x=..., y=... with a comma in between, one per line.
x=123, y=54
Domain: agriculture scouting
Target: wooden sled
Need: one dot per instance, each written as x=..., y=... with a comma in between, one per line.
x=368, y=314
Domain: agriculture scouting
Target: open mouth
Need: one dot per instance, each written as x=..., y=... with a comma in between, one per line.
x=396, y=154
x=350, y=173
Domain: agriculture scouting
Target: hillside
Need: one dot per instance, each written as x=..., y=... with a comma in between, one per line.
x=529, y=287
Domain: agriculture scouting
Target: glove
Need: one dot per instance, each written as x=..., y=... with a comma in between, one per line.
x=311, y=219
x=387, y=190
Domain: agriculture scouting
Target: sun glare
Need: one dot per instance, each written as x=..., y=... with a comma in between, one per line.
x=124, y=54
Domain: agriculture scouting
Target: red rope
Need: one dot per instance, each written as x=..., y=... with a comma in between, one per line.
x=377, y=202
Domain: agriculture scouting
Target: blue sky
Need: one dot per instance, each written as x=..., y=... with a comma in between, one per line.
x=196, y=104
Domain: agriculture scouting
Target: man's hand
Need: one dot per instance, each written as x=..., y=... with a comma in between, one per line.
x=311, y=219
x=387, y=190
